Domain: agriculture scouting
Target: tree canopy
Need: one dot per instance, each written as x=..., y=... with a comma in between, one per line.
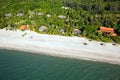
x=85, y=15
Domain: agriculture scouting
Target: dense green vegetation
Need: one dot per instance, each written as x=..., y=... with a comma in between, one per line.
x=85, y=15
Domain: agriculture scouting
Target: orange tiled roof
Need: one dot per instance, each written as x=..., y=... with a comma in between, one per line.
x=113, y=34
x=107, y=29
x=110, y=30
x=24, y=27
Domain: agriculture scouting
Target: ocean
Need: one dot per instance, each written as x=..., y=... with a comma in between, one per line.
x=17, y=65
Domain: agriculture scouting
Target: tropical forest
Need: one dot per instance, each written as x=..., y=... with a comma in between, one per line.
x=82, y=18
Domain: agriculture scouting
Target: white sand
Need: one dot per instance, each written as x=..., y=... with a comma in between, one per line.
x=61, y=46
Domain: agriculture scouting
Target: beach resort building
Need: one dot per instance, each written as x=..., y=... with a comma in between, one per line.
x=8, y=15
x=20, y=14
x=42, y=28
x=31, y=13
x=40, y=14
x=76, y=31
x=48, y=15
x=63, y=7
x=106, y=30
x=24, y=27
x=62, y=31
x=62, y=16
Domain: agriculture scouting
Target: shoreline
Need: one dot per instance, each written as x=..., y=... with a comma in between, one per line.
x=59, y=46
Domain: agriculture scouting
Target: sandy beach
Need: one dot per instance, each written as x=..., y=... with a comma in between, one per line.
x=60, y=46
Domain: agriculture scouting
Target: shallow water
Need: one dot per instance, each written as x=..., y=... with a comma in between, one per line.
x=16, y=65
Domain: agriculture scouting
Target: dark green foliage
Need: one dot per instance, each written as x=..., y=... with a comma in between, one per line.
x=116, y=39
x=85, y=43
x=85, y=15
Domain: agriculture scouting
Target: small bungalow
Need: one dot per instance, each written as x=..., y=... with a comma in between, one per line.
x=40, y=14
x=42, y=28
x=62, y=31
x=67, y=21
x=76, y=31
x=62, y=16
x=63, y=7
x=31, y=13
x=20, y=14
x=8, y=15
x=24, y=27
x=48, y=15
x=110, y=31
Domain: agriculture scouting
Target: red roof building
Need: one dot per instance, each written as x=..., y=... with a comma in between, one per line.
x=108, y=30
x=24, y=27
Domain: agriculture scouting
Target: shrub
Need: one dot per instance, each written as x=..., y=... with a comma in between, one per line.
x=85, y=43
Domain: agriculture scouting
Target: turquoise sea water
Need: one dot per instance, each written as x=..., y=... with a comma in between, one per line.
x=16, y=65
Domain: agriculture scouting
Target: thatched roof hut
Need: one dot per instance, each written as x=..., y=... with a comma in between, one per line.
x=40, y=14
x=8, y=15
x=62, y=16
x=76, y=31
x=62, y=31
x=42, y=28
x=63, y=7
x=67, y=21
x=31, y=13
x=48, y=15
x=20, y=14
